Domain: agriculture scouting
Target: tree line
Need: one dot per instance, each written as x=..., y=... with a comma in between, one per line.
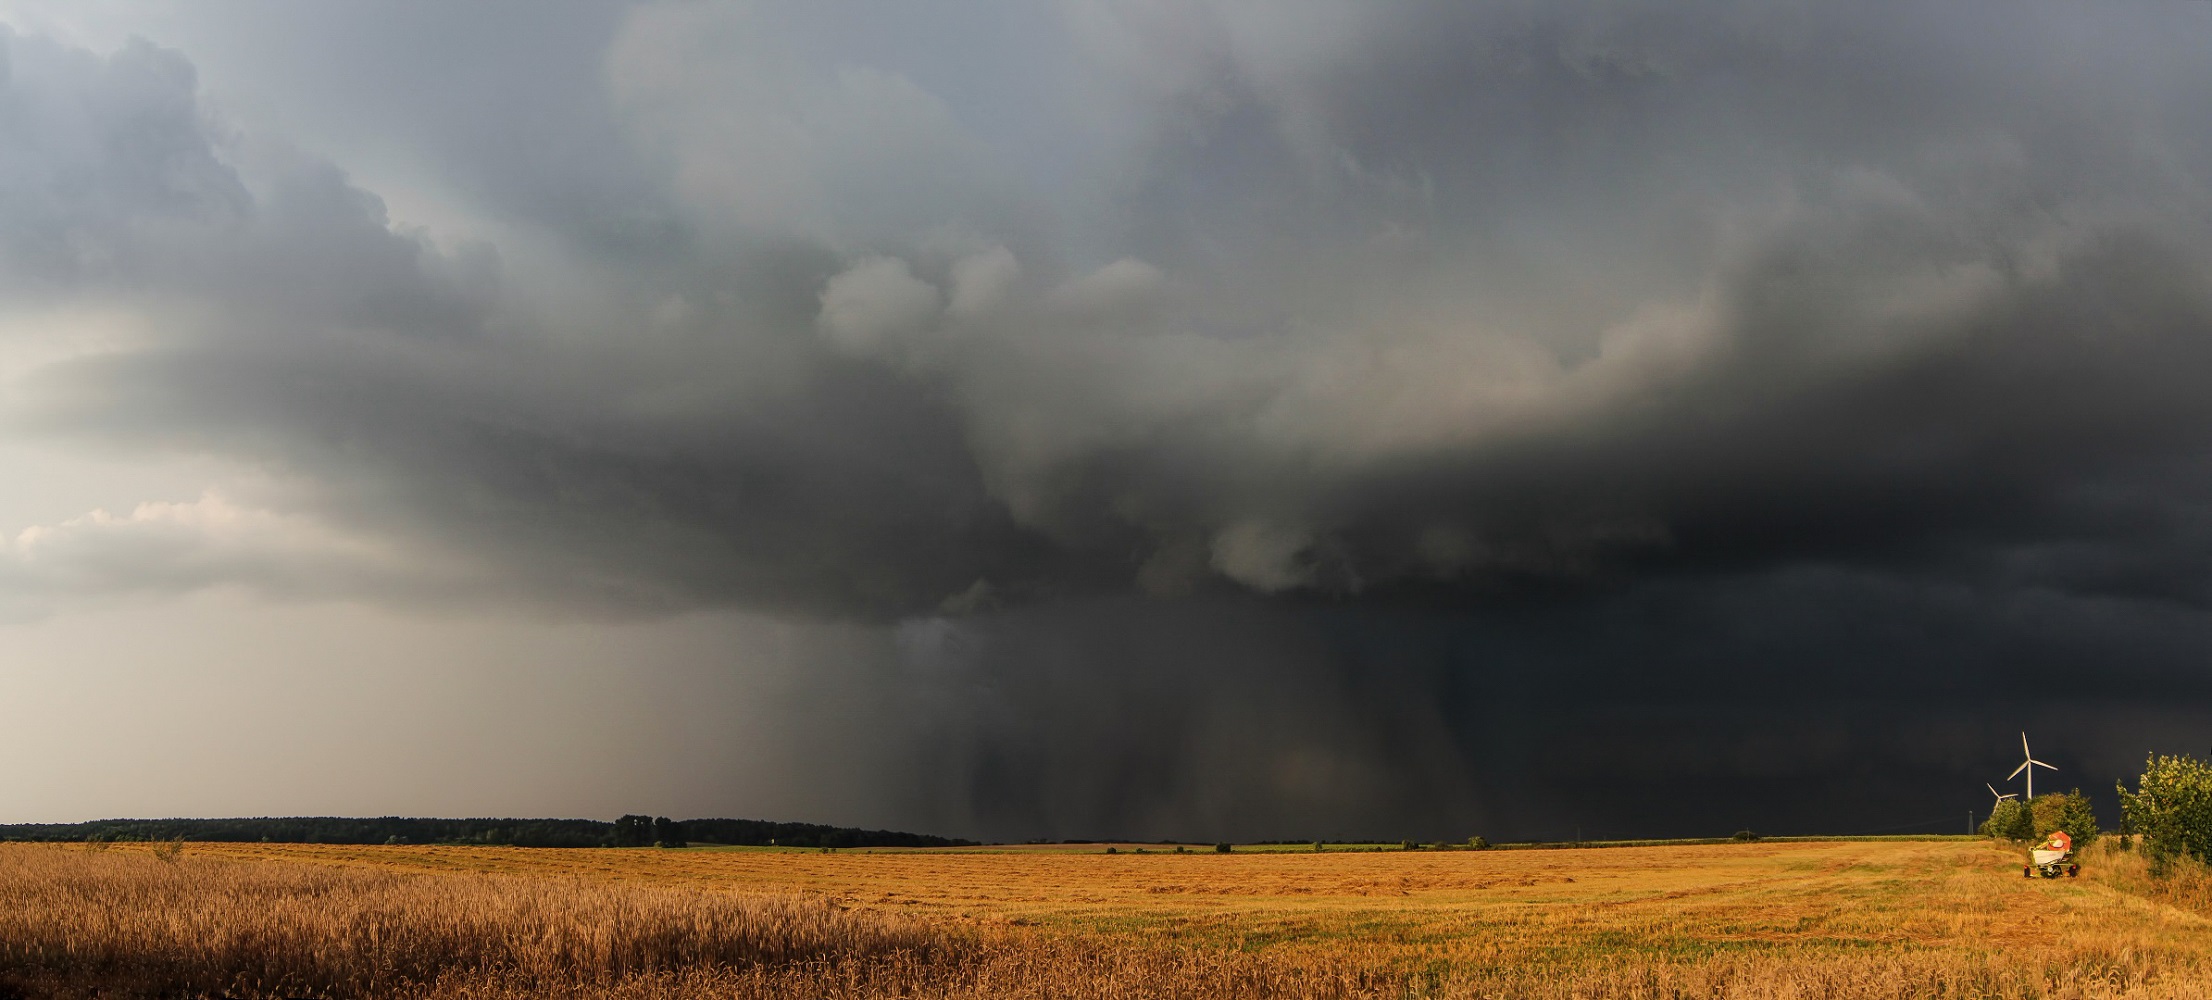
x=2168, y=813
x=629, y=831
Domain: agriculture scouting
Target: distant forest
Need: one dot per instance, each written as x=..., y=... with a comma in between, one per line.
x=629, y=831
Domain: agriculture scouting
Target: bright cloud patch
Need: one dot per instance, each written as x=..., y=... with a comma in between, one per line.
x=171, y=548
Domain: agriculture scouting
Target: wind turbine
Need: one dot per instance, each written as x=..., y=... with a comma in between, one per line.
x=2028, y=765
x=2001, y=797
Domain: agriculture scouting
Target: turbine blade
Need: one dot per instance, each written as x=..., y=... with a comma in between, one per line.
x=2024, y=751
x=1992, y=788
x=2039, y=763
x=2016, y=772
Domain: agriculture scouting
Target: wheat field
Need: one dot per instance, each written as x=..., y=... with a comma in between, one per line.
x=1826, y=920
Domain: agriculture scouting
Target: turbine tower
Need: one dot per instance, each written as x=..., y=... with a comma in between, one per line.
x=2028, y=765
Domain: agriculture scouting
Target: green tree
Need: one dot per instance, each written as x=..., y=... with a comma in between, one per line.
x=2068, y=811
x=2171, y=809
x=633, y=831
x=2010, y=821
x=668, y=832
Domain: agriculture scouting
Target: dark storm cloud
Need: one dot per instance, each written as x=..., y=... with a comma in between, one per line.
x=1317, y=415
x=1796, y=701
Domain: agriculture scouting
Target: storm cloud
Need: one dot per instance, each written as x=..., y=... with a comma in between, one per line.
x=1231, y=419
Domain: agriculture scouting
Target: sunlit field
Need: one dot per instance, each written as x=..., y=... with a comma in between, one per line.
x=1833, y=919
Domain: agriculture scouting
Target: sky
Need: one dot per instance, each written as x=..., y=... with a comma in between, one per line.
x=1195, y=419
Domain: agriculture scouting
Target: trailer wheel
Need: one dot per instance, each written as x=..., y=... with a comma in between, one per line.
x=2027, y=871
x=2073, y=871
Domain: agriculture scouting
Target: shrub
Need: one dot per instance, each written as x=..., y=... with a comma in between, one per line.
x=2171, y=809
x=1478, y=843
x=1223, y=848
x=2010, y=821
x=1744, y=836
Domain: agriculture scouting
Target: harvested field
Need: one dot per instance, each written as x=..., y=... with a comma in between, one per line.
x=1891, y=919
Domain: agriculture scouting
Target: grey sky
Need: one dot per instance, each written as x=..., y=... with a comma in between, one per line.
x=1152, y=417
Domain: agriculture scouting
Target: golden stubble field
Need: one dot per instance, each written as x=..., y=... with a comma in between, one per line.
x=1450, y=906
x=1830, y=920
